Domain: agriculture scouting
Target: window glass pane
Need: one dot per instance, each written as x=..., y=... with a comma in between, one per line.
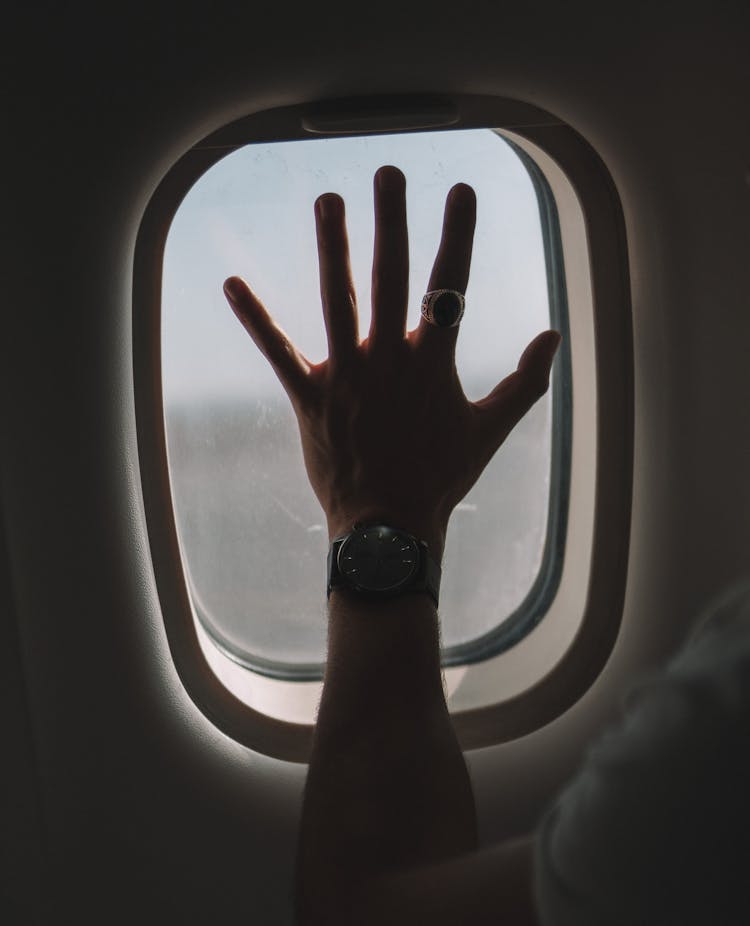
x=252, y=533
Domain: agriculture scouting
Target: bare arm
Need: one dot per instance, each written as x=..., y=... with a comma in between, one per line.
x=388, y=831
x=388, y=788
x=388, y=434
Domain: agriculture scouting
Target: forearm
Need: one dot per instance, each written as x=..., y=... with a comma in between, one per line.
x=388, y=787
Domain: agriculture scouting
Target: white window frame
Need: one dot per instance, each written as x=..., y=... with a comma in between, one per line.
x=524, y=686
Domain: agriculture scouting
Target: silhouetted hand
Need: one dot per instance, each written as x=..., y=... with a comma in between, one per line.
x=387, y=432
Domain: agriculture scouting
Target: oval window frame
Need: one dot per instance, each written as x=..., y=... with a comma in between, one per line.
x=582, y=661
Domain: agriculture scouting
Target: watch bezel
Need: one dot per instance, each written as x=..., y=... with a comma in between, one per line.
x=357, y=535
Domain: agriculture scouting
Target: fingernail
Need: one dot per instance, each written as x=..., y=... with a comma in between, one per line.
x=232, y=290
x=462, y=194
x=390, y=179
x=321, y=206
x=328, y=205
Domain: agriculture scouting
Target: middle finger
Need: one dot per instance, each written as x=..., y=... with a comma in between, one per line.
x=390, y=268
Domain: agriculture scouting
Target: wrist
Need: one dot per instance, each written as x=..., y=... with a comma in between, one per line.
x=399, y=635
x=393, y=608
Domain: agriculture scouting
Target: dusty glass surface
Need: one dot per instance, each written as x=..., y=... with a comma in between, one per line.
x=252, y=533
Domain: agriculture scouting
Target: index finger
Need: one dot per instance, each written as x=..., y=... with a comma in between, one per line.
x=291, y=367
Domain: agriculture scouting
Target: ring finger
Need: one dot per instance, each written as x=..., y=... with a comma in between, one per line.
x=453, y=261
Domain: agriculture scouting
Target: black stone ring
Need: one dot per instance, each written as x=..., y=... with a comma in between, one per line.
x=443, y=308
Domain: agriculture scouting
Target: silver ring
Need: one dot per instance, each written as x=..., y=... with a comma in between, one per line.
x=443, y=308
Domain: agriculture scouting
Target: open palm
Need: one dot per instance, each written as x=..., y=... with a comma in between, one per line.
x=387, y=432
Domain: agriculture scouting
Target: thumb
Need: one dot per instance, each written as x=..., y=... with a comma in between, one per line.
x=536, y=361
x=511, y=399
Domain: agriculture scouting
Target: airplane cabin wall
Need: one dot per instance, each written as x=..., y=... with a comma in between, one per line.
x=143, y=807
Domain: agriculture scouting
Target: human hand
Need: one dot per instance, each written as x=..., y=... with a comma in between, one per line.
x=387, y=432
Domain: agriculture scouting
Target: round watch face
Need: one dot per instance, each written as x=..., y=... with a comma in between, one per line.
x=378, y=559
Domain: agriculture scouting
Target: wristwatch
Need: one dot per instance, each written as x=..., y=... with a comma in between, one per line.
x=380, y=561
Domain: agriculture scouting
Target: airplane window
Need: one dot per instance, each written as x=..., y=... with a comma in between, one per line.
x=253, y=536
